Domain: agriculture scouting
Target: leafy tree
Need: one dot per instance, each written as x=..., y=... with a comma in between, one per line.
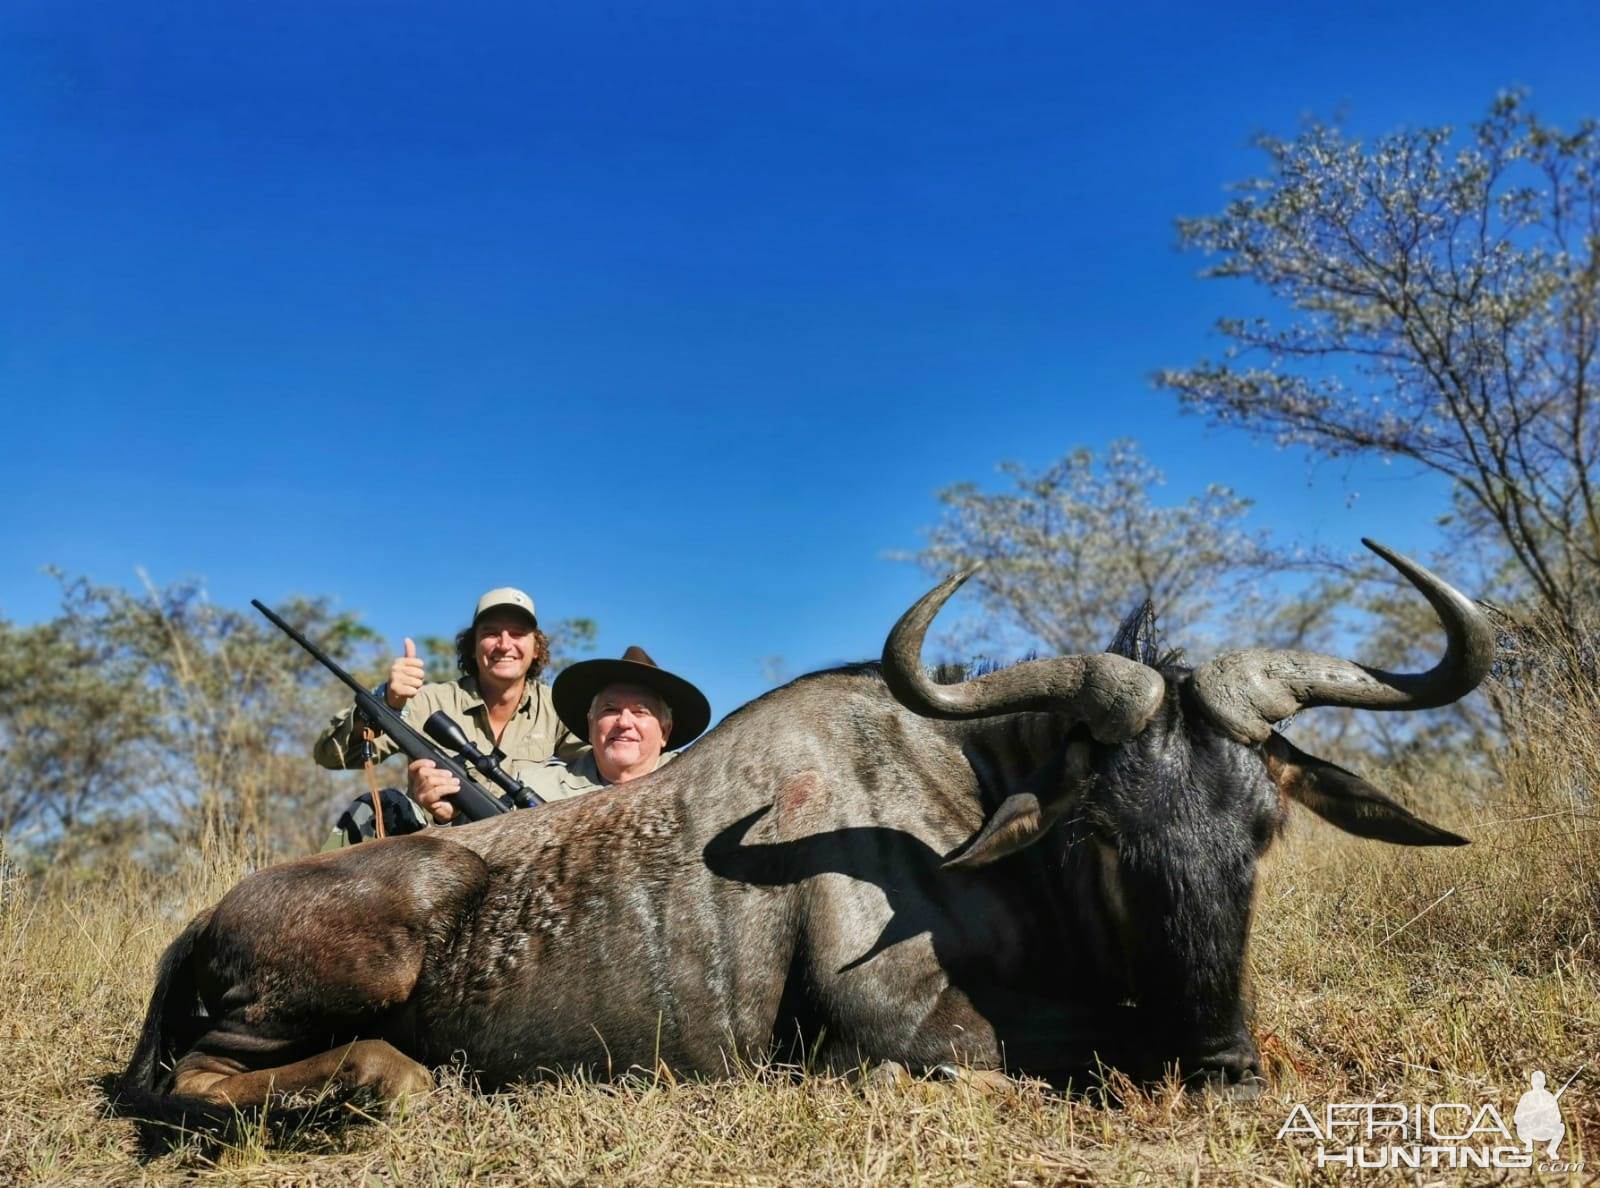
x=570, y=641
x=72, y=740
x=439, y=657
x=1069, y=550
x=1442, y=300
x=238, y=705
x=159, y=724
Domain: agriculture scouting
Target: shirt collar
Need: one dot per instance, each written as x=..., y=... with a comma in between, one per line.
x=469, y=686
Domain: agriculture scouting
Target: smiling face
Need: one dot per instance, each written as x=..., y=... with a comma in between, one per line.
x=505, y=646
x=628, y=728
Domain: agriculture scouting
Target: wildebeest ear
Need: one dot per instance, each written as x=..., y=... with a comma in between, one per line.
x=1027, y=815
x=1344, y=799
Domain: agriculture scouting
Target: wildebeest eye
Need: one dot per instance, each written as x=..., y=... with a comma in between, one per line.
x=1267, y=827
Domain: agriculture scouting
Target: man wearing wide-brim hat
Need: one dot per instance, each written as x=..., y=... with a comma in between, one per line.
x=628, y=709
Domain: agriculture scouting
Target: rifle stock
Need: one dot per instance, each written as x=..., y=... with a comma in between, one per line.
x=471, y=802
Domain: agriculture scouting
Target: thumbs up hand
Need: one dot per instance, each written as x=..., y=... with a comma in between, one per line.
x=405, y=677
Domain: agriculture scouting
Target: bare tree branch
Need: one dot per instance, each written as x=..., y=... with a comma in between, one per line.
x=1442, y=295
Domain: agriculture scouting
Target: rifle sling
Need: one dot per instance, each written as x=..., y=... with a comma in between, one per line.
x=368, y=737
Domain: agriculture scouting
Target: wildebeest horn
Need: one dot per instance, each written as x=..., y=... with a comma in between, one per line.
x=1112, y=695
x=1246, y=692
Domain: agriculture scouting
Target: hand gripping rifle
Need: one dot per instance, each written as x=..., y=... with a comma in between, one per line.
x=471, y=801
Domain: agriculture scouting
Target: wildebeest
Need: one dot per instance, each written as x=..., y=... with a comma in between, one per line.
x=1041, y=867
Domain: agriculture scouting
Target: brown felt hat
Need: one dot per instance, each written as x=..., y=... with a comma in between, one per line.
x=575, y=687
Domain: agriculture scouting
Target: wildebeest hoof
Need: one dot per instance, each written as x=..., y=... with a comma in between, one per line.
x=886, y=1075
x=407, y=1087
x=384, y=1073
x=1242, y=1092
x=987, y=1080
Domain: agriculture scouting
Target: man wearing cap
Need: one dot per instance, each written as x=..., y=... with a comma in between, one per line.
x=627, y=708
x=498, y=701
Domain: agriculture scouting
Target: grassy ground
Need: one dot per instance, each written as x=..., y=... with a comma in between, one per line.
x=1381, y=975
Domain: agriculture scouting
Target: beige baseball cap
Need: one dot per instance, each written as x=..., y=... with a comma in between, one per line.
x=505, y=596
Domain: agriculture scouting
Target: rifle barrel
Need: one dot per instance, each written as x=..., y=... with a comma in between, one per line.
x=1571, y=1079
x=473, y=802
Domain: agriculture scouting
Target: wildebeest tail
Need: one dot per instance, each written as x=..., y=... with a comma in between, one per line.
x=172, y=1010
x=171, y=1025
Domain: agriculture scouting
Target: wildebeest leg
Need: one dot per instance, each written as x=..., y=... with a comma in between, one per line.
x=954, y=1043
x=1003, y=1029
x=306, y=971
x=373, y=1065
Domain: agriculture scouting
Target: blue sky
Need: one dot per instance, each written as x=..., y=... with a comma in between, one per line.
x=676, y=315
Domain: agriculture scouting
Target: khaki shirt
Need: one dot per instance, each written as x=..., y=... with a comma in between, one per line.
x=558, y=780
x=532, y=736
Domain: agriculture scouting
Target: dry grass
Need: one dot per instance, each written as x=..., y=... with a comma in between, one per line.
x=1382, y=974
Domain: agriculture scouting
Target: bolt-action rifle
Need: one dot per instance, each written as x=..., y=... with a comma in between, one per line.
x=472, y=801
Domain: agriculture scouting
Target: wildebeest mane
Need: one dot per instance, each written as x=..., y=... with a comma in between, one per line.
x=1139, y=637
